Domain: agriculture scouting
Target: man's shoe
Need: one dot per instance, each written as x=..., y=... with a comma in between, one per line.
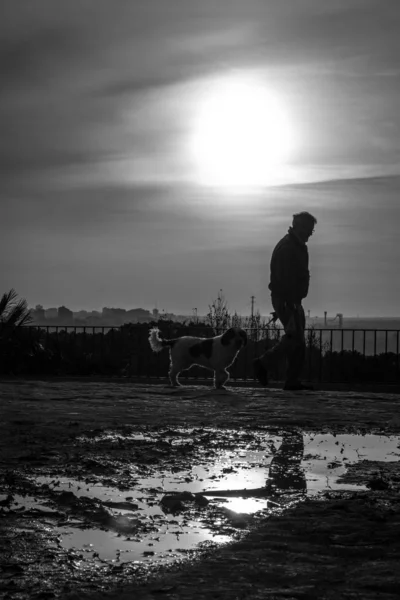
x=260, y=372
x=297, y=387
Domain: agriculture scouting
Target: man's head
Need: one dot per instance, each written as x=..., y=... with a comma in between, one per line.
x=303, y=225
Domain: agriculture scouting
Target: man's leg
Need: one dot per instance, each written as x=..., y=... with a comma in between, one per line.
x=284, y=348
x=295, y=365
x=297, y=357
x=285, y=471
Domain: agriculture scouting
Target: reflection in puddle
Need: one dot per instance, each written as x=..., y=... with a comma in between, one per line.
x=107, y=545
x=22, y=503
x=239, y=481
x=248, y=505
x=326, y=457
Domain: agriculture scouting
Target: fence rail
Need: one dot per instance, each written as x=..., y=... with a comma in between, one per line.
x=333, y=355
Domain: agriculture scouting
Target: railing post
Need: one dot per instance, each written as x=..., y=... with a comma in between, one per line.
x=342, y=351
x=364, y=342
x=385, y=364
x=310, y=333
x=74, y=346
x=102, y=350
x=397, y=354
x=320, y=356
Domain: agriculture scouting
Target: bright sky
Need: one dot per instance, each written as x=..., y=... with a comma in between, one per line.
x=154, y=151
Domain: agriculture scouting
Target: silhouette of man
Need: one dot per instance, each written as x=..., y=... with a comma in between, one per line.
x=289, y=283
x=285, y=472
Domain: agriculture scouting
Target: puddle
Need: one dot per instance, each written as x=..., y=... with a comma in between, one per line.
x=26, y=503
x=216, y=498
x=166, y=546
x=155, y=535
x=326, y=457
x=113, y=438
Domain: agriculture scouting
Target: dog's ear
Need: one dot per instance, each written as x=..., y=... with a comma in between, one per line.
x=228, y=337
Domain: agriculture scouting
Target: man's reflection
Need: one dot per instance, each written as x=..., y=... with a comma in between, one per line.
x=285, y=472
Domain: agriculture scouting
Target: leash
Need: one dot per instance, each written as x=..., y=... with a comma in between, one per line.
x=273, y=319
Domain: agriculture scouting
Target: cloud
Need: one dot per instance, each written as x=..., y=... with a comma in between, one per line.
x=126, y=246
x=71, y=70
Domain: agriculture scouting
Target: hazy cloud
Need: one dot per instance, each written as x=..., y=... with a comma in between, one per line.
x=68, y=66
x=95, y=100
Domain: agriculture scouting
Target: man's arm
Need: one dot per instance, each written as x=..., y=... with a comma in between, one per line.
x=303, y=276
x=286, y=273
x=292, y=274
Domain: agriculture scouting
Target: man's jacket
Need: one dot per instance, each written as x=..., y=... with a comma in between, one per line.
x=290, y=276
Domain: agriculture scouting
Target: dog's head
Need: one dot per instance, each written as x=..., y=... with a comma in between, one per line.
x=234, y=335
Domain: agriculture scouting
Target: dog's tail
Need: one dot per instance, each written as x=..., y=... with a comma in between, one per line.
x=157, y=343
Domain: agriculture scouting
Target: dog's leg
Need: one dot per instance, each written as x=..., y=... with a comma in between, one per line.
x=173, y=377
x=221, y=376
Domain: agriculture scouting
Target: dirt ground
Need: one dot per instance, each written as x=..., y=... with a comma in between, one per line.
x=337, y=545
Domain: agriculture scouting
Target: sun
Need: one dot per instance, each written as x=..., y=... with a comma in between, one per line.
x=241, y=135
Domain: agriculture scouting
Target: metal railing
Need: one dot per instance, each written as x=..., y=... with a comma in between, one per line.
x=332, y=355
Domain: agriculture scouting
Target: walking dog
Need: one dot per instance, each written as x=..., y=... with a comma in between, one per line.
x=216, y=353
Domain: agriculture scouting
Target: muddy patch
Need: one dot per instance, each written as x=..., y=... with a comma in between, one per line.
x=139, y=500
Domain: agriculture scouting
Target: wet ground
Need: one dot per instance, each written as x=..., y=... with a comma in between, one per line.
x=127, y=490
